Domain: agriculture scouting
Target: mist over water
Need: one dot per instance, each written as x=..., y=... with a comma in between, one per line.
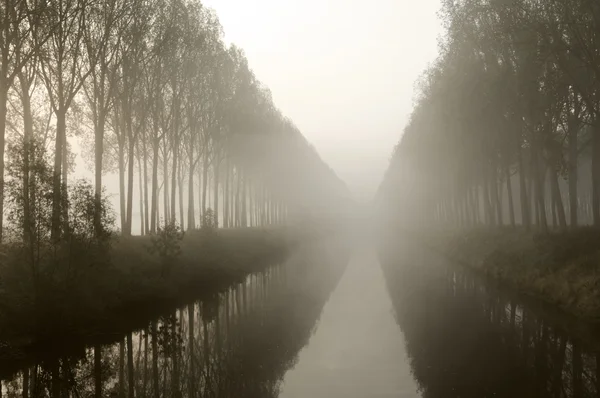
x=341, y=317
x=228, y=242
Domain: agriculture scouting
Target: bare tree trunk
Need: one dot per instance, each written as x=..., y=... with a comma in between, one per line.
x=553, y=211
x=477, y=203
x=243, y=202
x=200, y=201
x=539, y=190
x=226, y=223
x=131, y=165
x=65, y=174
x=27, y=141
x=146, y=215
x=173, y=214
x=263, y=205
x=204, y=181
x=166, y=182
x=573, y=150
x=251, y=205
x=489, y=214
x=525, y=218
x=238, y=212
x=557, y=199
x=56, y=183
x=497, y=197
x=180, y=184
x=191, y=215
x=99, y=152
x=532, y=195
x=122, y=207
x=511, y=205
x=3, y=113
x=154, y=209
x=231, y=210
x=141, y=190
x=216, y=190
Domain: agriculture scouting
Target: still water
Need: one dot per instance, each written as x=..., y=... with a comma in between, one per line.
x=335, y=320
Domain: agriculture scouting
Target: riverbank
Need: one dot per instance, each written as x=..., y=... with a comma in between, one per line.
x=562, y=269
x=134, y=285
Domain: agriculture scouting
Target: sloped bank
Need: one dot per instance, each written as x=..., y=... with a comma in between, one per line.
x=134, y=286
x=562, y=269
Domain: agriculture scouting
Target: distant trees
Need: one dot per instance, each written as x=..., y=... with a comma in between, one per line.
x=153, y=93
x=509, y=109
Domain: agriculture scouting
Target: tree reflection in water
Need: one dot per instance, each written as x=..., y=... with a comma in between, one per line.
x=238, y=343
x=468, y=339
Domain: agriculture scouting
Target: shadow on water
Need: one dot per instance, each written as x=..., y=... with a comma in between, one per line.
x=238, y=343
x=466, y=337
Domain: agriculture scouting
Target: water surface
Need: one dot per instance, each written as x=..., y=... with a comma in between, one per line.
x=335, y=320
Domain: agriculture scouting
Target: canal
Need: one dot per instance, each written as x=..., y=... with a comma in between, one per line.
x=334, y=320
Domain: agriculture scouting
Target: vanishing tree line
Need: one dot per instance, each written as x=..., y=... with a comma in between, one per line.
x=153, y=93
x=506, y=128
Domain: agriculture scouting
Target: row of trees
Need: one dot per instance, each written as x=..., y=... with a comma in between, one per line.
x=153, y=93
x=510, y=108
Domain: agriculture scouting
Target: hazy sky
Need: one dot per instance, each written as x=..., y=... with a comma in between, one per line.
x=343, y=70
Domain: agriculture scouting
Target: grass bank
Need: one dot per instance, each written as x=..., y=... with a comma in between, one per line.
x=132, y=285
x=559, y=268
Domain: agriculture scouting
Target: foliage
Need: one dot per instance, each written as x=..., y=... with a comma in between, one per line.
x=504, y=107
x=40, y=269
x=166, y=243
x=209, y=221
x=28, y=158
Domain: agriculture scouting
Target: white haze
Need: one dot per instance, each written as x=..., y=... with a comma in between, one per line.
x=342, y=70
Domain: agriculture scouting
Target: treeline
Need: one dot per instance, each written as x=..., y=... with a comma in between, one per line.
x=153, y=93
x=506, y=128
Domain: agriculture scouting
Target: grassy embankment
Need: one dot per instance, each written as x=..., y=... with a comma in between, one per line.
x=132, y=285
x=559, y=268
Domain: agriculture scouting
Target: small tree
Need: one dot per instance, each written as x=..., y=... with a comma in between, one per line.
x=53, y=269
x=209, y=221
x=167, y=244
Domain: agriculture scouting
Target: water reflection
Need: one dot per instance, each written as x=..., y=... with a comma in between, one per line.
x=238, y=343
x=465, y=338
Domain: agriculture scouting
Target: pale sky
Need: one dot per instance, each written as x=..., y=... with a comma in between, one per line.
x=342, y=70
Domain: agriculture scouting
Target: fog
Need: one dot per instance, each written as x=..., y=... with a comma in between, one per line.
x=343, y=71
x=333, y=198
